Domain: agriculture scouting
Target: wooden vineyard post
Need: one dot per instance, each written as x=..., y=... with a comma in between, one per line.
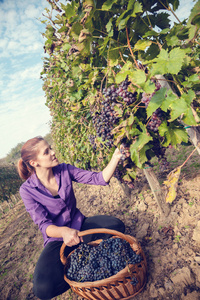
x=194, y=134
x=157, y=191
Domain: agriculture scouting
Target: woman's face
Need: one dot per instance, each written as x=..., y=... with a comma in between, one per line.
x=46, y=156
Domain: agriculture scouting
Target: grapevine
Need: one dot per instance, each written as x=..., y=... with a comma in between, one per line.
x=100, y=85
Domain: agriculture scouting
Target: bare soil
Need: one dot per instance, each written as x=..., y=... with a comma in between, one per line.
x=171, y=245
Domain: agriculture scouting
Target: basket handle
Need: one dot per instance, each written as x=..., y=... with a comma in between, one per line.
x=96, y=230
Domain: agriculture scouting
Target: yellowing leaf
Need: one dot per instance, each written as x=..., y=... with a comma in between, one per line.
x=142, y=45
x=171, y=184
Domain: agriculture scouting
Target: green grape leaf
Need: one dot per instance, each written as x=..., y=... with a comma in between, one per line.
x=192, y=31
x=109, y=28
x=173, y=135
x=66, y=47
x=172, y=40
x=165, y=31
x=156, y=101
x=113, y=56
x=188, y=117
x=194, y=17
x=130, y=4
x=123, y=21
x=121, y=76
x=148, y=87
x=160, y=65
x=108, y=4
x=69, y=10
x=75, y=30
x=169, y=99
x=137, y=8
x=177, y=108
x=161, y=19
x=182, y=106
x=143, y=157
x=176, y=57
x=190, y=81
x=150, y=33
x=188, y=97
x=142, y=45
x=138, y=156
x=169, y=62
x=131, y=119
x=137, y=76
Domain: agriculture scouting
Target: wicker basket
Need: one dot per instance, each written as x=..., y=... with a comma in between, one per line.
x=118, y=286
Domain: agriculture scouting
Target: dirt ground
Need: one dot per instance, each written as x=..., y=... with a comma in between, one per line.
x=171, y=245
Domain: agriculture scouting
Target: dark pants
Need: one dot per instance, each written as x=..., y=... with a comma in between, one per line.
x=48, y=280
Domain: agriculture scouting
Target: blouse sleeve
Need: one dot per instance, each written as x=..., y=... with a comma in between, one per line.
x=36, y=210
x=87, y=177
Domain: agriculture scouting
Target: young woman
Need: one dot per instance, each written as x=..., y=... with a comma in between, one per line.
x=49, y=198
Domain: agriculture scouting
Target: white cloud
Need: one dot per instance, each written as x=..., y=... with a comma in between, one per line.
x=23, y=113
x=20, y=27
x=32, y=12
x=20, y=83
x=20, y=123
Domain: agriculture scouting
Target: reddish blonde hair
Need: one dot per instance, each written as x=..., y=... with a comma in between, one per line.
x=28, y=152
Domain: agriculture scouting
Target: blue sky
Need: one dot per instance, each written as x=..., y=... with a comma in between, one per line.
x=23, y=113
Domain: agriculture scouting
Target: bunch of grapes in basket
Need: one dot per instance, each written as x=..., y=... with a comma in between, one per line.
x=90, y=263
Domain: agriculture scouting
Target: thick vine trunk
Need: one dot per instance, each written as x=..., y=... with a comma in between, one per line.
x=157, y=191
x=126, y=189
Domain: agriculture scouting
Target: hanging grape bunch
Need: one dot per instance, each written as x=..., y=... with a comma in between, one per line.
x=105, y=119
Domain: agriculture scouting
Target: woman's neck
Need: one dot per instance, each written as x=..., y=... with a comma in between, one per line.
x=47, y=178
x=45, y=175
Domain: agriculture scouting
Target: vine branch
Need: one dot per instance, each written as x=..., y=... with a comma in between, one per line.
x=129, y=46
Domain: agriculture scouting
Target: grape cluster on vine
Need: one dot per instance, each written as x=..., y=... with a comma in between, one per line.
x=89, y=263
x=105, y=119
x=121, y=91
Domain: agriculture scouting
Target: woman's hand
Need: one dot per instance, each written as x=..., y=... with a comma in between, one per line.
x=70, y=236
x=121, y=153
x=118, y=154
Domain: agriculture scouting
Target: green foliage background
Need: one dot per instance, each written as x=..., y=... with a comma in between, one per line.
x=94, y=44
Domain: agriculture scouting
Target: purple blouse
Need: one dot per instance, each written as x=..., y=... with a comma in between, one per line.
x=47, y=210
